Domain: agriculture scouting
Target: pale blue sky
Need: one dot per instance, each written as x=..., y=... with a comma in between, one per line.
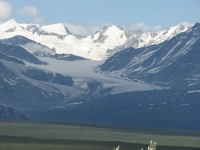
x=130, y=14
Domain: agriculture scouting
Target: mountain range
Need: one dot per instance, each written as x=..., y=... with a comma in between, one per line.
x=117, y=77
x=102, y=44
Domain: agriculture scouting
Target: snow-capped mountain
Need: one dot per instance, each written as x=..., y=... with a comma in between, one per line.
x=98, y=46
x=35, y=84
x=174, y=63
x=140, y=39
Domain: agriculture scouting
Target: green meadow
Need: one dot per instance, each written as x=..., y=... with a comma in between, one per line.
x=59, y=136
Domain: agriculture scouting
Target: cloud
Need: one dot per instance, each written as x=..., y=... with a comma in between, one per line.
x=33, y=12
x=146, y=28
x=142, y=26
x=5, y=9
x=186, y=23
x=29, y=10
x=38, y=19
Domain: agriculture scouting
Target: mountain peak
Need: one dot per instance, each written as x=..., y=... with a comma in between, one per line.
x=11, y=21
x=8, y=25
x=110, y=34
x=56, y=28
x=109, y=26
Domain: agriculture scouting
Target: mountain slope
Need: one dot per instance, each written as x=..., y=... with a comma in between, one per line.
x=8, y=113
x=37, y=49
x=22, y=94
x=172, y=63
x=174, y=109
x=20, y=53
x=98, y=46
x=30, y=45
x=10, y=58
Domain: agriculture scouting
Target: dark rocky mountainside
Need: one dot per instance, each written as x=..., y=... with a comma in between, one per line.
x=48, y=77
x=20, y=53
x=8, y=113
x=174, y=63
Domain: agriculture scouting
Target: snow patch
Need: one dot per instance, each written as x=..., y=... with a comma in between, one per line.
x=194, y=91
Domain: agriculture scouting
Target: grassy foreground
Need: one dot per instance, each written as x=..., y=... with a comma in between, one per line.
x=43, y=136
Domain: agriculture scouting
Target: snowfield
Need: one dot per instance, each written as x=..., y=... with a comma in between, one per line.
x=98, y=46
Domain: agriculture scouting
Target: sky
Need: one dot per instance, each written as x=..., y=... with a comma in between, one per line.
x=87, y=16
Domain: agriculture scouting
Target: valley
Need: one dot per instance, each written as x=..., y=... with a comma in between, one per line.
x=152, y=84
